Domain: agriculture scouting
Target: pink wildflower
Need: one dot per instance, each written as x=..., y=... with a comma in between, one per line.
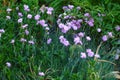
x=81, y=34
x=110, y=34
x=70, y=6
x=98, y=30
x=64, y=41
x=26, y=8
x=31, y=42
x=117, y=28
x=41, y=74
x=26, y=32
x=12, y=41
x=42, y=23
x=83, y=55
x=2, y=31
x=25, y=26
x=49, y=10
x=97, y=55
x=37, y=17
x=90, y=52
x=8, y=17
x=23, y=40
x=87, y=15
x=8, y=64
x=20, y=14
x=77, y=40
x=29, y=16
x=49, y=41
x=105, y=38
x=20, y=20
x=88, y=38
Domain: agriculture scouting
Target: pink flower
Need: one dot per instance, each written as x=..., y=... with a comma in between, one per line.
x=87, y=15
x=58, y=21
x=65, y=8
x=26, y=32
x=9, y=10
x=49, y=41
x=70, y=6
x=20, y=14
x=117, y=56
x=8, y=17
x=37, y=17
x=49, y=10
x=66, y=17
x=61, y=37
x=105, y=38
x=31, y=42
x=97, y=55
x=64, y=28
x=47, y=28
x=83, y=55
x=25, y=26
x=8, y=64
x=75, y=24
x=42, y=23
x=29, y=16
x=90, y=52
x=98, y=30
x=12, y=41
x=81, y=34
x=61, y=25
x=20, y=20
x=110, y=34
x=90, y=22
x=77, y=40
x=117, y=28
x=2, y=31
x=74, y=27
x=23, y=40
x=64, y=41
x=41, y=74
x=88, y=38
x=26, y=8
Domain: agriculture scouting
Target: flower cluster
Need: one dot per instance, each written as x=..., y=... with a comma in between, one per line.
x=77, y=40
x=106, y=37
x=89, y=53
x=67, y=8
x=89, y=20
x=64, y=41
x=26, y=19
x=67, y=22
x=73, y=24
x=26, y=8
